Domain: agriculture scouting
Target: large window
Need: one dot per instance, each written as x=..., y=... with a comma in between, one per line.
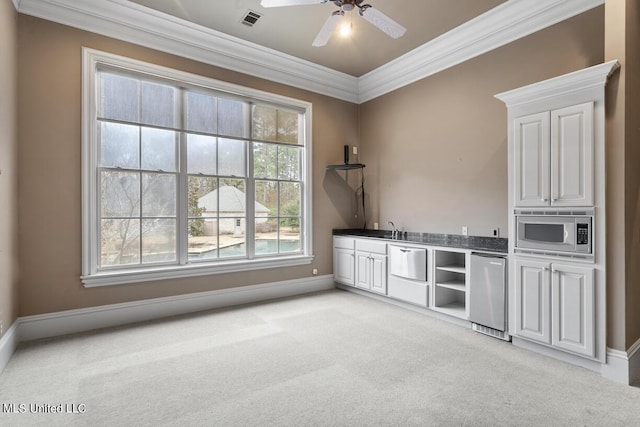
x=185, y=175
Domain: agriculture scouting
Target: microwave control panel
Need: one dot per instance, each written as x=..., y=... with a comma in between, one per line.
x=582, y=237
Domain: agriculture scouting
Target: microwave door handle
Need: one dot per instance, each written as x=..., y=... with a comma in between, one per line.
x=566, y=234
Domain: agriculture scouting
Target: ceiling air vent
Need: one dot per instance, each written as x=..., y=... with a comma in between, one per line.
x=250, y=18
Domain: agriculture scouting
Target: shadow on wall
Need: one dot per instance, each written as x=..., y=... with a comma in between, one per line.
x=346, y=199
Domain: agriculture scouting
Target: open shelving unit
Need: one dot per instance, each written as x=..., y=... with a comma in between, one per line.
x=450, y=283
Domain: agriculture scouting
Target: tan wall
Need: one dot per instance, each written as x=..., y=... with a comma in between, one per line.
x=49, y=171
x=8, y=168
x=622, y=42
x=436, y=150
x=632, y=172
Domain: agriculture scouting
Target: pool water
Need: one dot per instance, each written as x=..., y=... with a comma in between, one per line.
x=263, y=247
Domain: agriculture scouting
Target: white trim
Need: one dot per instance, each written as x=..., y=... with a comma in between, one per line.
x=143, y=26
x=86, y=319
x=617, y=366
x=137, y=24
x=592, y=77
x=16, y=4
x=8, y=344
x=91, y=277
x=634, y=363
x=561, y=355
x=121, y=277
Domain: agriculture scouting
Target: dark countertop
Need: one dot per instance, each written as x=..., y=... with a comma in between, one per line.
x=477, y=243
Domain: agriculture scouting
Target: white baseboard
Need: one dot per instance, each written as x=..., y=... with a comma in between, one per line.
x=634, y=363
x=86, y=319
x=8, y=344
x=623, y=366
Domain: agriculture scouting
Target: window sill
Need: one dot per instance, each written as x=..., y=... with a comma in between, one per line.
x=121, y=277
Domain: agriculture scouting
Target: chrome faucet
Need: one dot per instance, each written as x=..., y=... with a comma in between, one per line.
x=394, y=231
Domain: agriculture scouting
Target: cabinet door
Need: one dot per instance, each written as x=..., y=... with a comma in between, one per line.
x=573, y=315
x=533, y=316
x=379, y=273
x=343, y=266
x=363, y=270
x=572, y=156
x=531, y=160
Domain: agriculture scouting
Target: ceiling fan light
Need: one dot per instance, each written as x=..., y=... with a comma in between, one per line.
x=346, y=29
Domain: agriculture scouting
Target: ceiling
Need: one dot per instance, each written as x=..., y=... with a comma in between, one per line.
x=292, y=29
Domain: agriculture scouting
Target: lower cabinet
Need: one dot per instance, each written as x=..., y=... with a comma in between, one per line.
x=371, y=266
x=344, y=260
x=555, y=305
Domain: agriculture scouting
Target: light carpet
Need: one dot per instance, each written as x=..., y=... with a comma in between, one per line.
x=329, y=358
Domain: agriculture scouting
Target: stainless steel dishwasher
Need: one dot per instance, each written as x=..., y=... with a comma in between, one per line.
x=488, y=295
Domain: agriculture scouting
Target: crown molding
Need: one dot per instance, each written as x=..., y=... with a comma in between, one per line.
x=123, y=20
x=499, y=26
x=143, y=26
x=591, y=77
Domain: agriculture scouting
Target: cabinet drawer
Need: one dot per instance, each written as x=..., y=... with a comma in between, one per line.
x=343, y=242
x=411, y=291
x=366, y=245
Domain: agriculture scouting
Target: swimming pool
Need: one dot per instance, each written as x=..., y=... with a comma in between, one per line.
x=263, y=247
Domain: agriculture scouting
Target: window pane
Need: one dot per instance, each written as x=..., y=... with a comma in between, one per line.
x=266, y=245
x=203, y=197
x=201, y=113
x=232, y=237
x=119, y=242
x=231, y=198
x=265, y=160
x=287, y=126
x=289, y=199
x=158, y=194
x=201, y=154
x=203, y=239
x=158, y=105
x=264, y=123
x=158, y=149
x=158, y=240
x=120, y=194
x=119, y=145
x=232, y=120
x=119, y=98
x=289, y=163
x=289, y=235
x=231, y=157
x=271, y=124
x=266, y=198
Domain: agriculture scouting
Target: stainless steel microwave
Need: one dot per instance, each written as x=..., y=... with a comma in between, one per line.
x=565, y=232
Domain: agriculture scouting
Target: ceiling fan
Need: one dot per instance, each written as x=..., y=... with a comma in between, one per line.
x=368, y=12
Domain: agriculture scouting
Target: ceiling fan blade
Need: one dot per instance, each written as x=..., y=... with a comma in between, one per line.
x=327, y=29
x=279, y=3
x=382, y=22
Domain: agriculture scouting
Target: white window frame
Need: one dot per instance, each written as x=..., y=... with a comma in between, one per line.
x=91, y=275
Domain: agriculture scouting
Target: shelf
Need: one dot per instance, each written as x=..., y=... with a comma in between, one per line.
x=456, y=309
x=456, y=285
x=452, y=268
x=345, y=166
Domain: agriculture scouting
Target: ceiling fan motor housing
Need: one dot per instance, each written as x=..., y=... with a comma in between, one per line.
x=347, y=5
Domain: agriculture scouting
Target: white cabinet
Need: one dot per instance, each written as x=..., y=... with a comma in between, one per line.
x=553, y=157
x=371, y=265
x=555, y=305
x=344, y=260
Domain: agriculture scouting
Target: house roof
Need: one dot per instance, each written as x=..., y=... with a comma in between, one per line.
x=231, y=200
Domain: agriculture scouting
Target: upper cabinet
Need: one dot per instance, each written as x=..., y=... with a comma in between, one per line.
x=553, y=157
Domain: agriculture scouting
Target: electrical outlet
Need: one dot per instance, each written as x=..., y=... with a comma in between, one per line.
x=314, y=271
x=465, y=231
x=496, y=232
x=355, y=150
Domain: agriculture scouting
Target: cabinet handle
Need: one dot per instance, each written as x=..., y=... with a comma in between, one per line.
x=545, y=269
x=555, y=199
x=554, y=270
x=545, y=200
